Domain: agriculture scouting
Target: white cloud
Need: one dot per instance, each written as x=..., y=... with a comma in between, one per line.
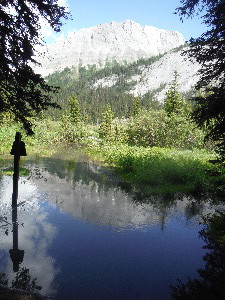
x=63, y=3
x=46, y=31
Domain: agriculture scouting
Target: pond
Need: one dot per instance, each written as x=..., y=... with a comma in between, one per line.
x=87, y=235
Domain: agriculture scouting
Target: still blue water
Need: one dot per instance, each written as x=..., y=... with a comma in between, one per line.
x=86, y=235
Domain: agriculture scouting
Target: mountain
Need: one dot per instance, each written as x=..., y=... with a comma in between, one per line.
x=118, y=84
x=115, y=62
x=121, y=42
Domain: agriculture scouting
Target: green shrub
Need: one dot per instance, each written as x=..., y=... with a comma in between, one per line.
x=155, y=128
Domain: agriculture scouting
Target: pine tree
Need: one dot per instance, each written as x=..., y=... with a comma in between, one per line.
x=106, y=127
x=209, y=51
x=136, y=106
x=73, y=110
x=173, y=102
x=22, y=92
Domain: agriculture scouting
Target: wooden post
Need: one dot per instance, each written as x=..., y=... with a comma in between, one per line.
x=16, y=145
x=16, y=254
x=18, y=149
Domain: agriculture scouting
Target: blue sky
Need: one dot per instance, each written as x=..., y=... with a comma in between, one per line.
x=158, y=13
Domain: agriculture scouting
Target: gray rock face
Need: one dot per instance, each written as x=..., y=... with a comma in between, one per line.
x=158, y=76
x=126, y=41
x=161, y=73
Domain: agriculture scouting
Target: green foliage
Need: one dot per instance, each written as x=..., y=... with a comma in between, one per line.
x=130, y=145
x=6, y=118
x=92, y=101
x=73, y=124
x=147, y=129
x=209, y=112
x=136, y=106
x=162, y=169
x=182, y=132
x=73, y=110
x=173, y=103
x=155, y=128
x=208, y=49
x=7, y=136
x=72, y=133
x=47, y=134
x=106, y=126
x=10, y=171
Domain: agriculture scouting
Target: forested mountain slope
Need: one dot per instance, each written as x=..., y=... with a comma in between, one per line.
x=118, y=85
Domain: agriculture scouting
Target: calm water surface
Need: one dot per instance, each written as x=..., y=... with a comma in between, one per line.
x=85, y=235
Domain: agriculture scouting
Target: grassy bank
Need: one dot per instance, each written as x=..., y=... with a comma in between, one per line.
x=164, y=170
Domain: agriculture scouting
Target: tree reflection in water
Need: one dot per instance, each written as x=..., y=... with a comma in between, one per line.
x=211, y=282
x=24, y=281
x=22, y=287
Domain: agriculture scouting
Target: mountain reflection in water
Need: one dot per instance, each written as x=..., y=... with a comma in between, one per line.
x=86, y=235
x=83, y=190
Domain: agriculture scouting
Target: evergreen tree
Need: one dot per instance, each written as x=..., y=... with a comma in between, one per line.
x=22, y=92
x=73, y=110
x=136, y=106
x=106, y=126
x=173, y=102
x=209, y=51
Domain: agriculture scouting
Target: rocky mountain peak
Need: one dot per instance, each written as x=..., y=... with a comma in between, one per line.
x=121, y=41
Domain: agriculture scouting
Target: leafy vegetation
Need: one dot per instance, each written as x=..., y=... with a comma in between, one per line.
x=9, y=171
x=164, y=153
x=162, y=169
x=174, y=104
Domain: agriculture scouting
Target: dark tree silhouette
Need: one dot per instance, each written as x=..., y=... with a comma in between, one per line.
x=211, y=281
x=209, y=51
x=209, y=48
x=22, y=92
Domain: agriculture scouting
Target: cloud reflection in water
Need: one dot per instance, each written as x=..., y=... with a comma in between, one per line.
x=35, y=233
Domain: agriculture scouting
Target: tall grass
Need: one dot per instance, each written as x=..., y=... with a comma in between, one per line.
x=162, y=168
x=49, y=136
